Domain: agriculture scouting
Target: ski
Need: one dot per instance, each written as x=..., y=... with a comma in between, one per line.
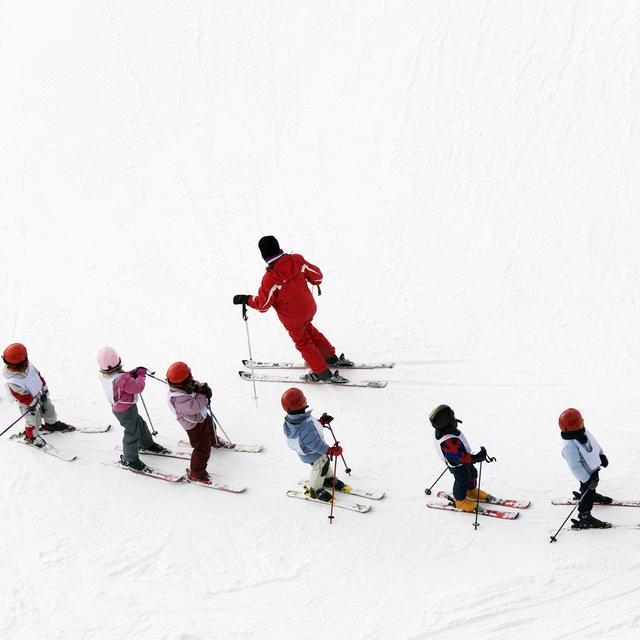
x=360, y=508
x=262, y=377
x=216, y=485
x=161, y=475
x=503, y=502
x=482, y=511
x=238, y=448
x=182, y=455
x=254, y=364
x=611, y=526
x=354, y=491
x=47, y=448
x=615, y=503
x=71, y=429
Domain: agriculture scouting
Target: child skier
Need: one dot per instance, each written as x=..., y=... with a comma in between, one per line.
x=28, y=388
x=121, y=389
x=284, y=287
x=304, y=436
x=455, y=451
x=584, y=457
x=189, y=400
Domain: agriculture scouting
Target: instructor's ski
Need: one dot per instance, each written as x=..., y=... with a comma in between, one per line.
x=360, y=508
x=254, y=364
x=343, y=382
x=504, y=502
x=354, y=491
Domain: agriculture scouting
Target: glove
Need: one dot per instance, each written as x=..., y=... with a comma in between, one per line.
x=241, y=298
x=28, y=433
x=205, y=390
x=33, y=407
x=133, y=373
x=325, y=419
x=481, y=456
x=604, y=461
x=334, y=451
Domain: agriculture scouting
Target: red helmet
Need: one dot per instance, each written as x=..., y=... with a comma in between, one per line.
x=15, y=354
x=293, y=400
x=178, y=373
x=570, y=420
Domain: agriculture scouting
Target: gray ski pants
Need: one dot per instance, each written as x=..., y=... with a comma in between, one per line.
x=136, y=433
x=44, y=411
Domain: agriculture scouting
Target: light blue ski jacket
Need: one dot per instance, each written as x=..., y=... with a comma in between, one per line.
x=304, y=436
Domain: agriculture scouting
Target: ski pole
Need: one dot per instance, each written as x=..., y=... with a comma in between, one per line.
x=153, y=430
x=245, y=317
x=554, y=537
x=476, y=524
x=428, y=490
x=150, y=375
x=333, y=486
x=217, y=422
x=347, y=469
x=20, y=418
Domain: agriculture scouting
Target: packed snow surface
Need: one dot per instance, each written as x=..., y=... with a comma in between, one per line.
x=466, y=175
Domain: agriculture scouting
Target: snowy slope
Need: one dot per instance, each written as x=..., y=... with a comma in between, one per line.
x=466, y=176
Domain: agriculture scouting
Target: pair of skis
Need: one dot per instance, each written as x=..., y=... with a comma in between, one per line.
x=183, y=478
x=337, y=378
x=347, y=490
x=54, y=451
x=450, y=505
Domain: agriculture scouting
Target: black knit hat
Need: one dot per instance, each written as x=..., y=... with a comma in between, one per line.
x=269, y=247
x=442, y=417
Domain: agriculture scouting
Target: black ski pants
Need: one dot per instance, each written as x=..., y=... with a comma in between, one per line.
x=465, y=476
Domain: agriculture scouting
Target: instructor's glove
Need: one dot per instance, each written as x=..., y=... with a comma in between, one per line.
x=241, y=298
x=481, y=456
x=334, y=451
x=325, y=419
x=604, y=461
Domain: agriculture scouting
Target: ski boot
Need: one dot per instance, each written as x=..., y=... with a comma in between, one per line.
x=473, y=495
x=318, y=494
x=466, y=504
x=339, y=361
x=205, y=479
x=587, y=521
x=323, y=376
x=328, y=483
x=597, y=498
x=136, y=465
x=156, y=448
x=36, y=441
x=57, y=426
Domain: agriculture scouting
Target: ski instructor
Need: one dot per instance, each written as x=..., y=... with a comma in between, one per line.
x=284, y=287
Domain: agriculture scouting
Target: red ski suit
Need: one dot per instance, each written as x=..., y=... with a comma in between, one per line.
x=284, y=287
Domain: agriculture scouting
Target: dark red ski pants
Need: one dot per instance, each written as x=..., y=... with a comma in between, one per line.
x=313, y=346
x=202, y=438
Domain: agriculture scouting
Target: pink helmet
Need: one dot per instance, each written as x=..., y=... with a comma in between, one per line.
x=108, y=359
